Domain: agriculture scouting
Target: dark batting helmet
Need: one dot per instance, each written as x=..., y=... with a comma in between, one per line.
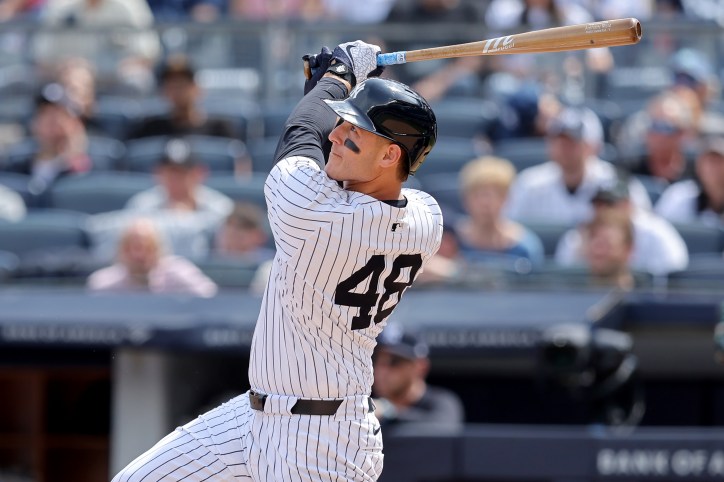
x=394, y=111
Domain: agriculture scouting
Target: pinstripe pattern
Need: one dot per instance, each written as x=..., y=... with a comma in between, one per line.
x=304, y=344
x=234, y=443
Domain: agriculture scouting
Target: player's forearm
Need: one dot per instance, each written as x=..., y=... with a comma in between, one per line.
x=309, y=125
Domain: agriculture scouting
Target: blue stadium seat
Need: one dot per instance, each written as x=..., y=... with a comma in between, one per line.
x=217, y=153
x=522, y=152
x=20, y=183
x=228, y=272
x=98, y=192
x=449, y=155
x=445, y=188
x=262, y=153
x=700, y=238
x=654, y=186
x=240, y=188
x=274, y=115
x=9, y=263
x=549, y=234
x=465, y=117
x=106, y=152
x=48, y=242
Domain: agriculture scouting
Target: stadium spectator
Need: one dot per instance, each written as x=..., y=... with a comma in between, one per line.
x=560, y=190
x=181, y=10
x=20, y=9
x=12, y=206
x=180, y=177
x=78, y=78
x=243, y=234
x=402, y=394
x=657, y=248
x=177, y=81
x=182, y=208
x=143, y=265
x=263, y=10
x=437, y=79
x=124, y=60
x=700, y=199
x=369, y=12
x=656, y=141
x=607, y=244
x=694, y=73
x=484, y=233
x=59, y=139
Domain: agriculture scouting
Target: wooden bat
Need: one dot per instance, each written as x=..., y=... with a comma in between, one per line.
x=608, y=33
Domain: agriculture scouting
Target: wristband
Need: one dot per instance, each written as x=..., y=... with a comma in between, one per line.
x=343, y=72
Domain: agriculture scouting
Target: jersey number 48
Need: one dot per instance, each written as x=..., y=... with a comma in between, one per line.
x=344, y=294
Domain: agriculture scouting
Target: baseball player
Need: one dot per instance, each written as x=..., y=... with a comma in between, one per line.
x=349, y=242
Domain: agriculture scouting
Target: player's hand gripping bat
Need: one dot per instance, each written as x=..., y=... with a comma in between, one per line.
x=609, y=33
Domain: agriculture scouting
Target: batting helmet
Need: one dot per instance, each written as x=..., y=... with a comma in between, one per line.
x=394, y=111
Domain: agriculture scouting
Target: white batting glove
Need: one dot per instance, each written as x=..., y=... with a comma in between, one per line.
x=360, y=58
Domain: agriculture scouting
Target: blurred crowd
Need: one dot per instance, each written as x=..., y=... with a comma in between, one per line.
x=124, y=166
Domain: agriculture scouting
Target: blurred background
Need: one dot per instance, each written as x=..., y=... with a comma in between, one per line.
x=573, y=311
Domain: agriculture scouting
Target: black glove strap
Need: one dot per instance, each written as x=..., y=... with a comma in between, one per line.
x=343, y=72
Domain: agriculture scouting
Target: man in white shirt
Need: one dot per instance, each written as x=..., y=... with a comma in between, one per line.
x=700, y=200
x=560, y=190
x=657, y=247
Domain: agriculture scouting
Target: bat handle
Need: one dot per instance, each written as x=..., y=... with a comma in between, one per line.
x=307, y=69
x=392, y=58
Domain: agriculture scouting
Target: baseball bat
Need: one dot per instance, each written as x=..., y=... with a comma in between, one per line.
x=608, y=33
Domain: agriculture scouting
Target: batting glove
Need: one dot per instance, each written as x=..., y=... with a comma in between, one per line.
x=318, y=64
x=360, y=58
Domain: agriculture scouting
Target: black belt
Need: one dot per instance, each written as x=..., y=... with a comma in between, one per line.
x=302, y=406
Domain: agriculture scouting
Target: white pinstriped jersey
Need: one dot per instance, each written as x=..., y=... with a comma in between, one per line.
x=343, y=261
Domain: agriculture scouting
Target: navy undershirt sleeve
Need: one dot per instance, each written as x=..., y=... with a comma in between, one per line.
x=307, y=129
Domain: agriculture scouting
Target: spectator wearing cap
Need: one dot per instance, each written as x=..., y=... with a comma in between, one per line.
x=185, y=211
x=700, y=199
x=657, y=247
x=195, y=10
x=180, y=177
x=143, y=264
x=660, y=141
x=59, y=139
x=401, y=365
x=177, y=81
x=560, y=190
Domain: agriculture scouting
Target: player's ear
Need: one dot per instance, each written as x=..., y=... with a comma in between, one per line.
x=392, y=155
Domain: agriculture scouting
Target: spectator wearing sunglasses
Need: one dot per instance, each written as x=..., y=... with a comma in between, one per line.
x=401, y=365
x=657, y=143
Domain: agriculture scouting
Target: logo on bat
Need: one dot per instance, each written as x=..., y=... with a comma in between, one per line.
x=495, y=45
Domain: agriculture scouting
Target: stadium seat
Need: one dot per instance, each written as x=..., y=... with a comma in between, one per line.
x=9, y=263
x=449, y=155
x=48, y=242
x=274, y=115
x=465, y=117
x=98, y=192
x=228, y=272
x=262, y=153
x=445, y=188
x=240, y=188
x=106, y=152
x=549, y=234
x=20, y=183
x=217, y=153
x=244, y=114
x=700, y=238
x=522, y=152
x=654, y=186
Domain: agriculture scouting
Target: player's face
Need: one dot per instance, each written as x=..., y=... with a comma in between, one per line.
x=355, y=154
